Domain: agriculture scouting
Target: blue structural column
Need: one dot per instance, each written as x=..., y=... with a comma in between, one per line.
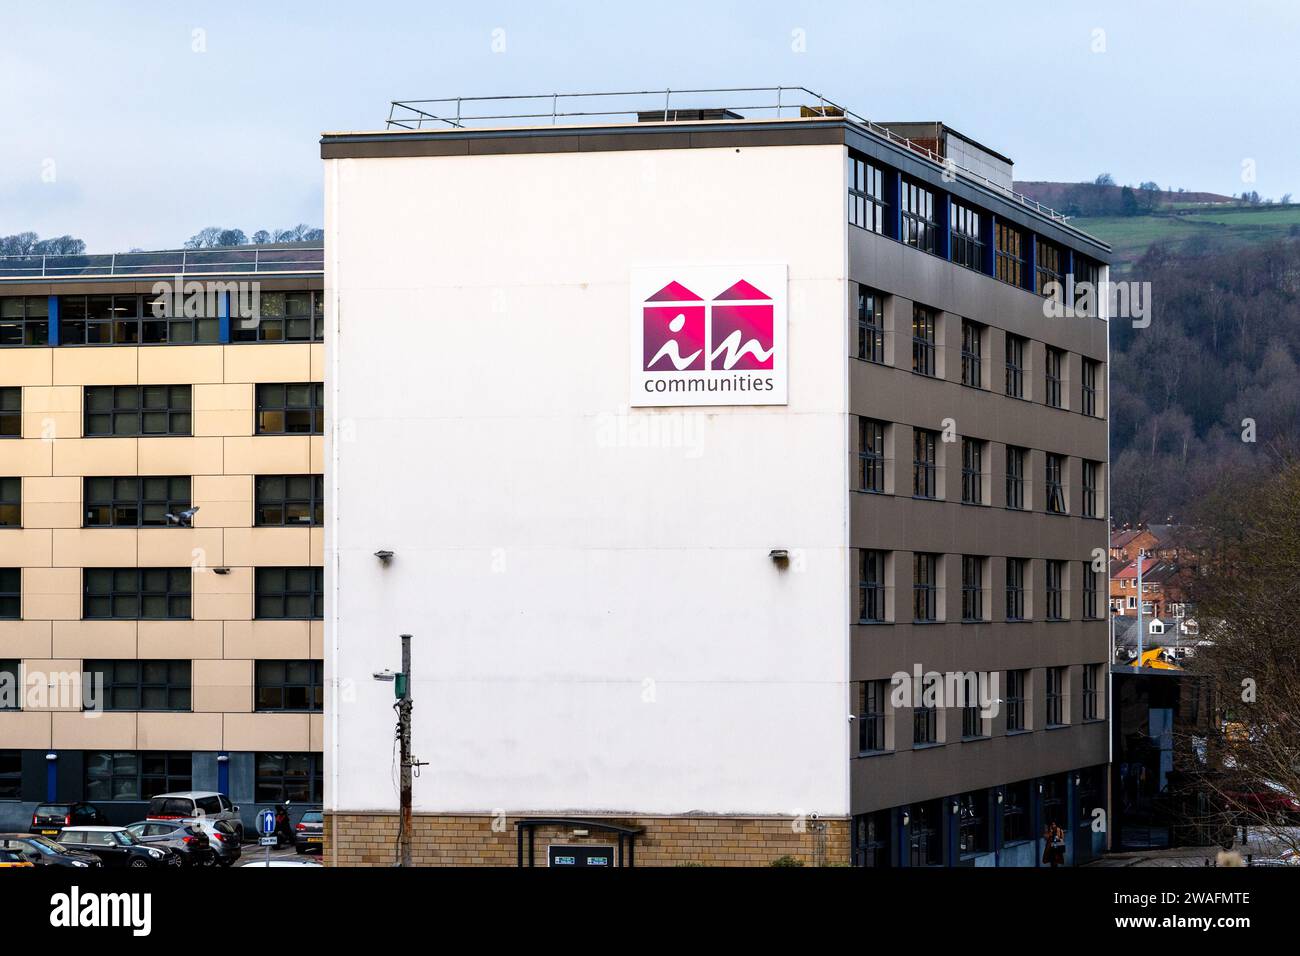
x=223, y=773
x=904, y=857
x=53, y=313
x=943, y=221
x=51, y=776
x=223, y=329
x=895, y=228
x=951, y=830
x=1071, y=817
x=1031, y=262
x=1036, y=819
x=1069, y=276
x=989, y=238
x=996, y=796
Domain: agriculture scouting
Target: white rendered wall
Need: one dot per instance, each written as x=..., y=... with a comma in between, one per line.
x=597, y=624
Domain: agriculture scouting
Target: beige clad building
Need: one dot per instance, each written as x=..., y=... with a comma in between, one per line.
x=201, y=636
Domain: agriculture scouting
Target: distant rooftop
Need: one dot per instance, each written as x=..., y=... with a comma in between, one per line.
x=738, y=105
x=284, y=258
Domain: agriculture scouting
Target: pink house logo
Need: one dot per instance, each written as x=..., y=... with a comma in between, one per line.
x=708, y=334
x=735, y=331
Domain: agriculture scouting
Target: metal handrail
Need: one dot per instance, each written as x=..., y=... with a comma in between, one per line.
x=414, y=114
x=257, y=260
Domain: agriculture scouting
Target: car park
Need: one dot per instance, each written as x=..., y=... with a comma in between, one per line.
x=309, y=833
x=185, y=839
x=117, y=847
x=42, y=851
x=50, y=818
x=194, y=804
x=225, y=842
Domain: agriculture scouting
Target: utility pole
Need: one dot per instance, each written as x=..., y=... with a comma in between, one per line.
x=402, y=690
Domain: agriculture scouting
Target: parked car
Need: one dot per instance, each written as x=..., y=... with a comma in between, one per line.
x=222, y=837
x=49, y=818
x=1265, y=800
x=184, y=839
x=118, y=847
x=42, y=851
x=11, y=859
x=193, y=804
x=309, y=834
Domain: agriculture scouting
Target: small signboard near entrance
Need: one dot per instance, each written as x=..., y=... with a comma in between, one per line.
x=598, y=856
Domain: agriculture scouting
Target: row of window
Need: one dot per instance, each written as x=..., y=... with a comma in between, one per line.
x=133, y=319
x=124, y=411
x=279, y=501
x=139, y=775
x=974, y=335
x=877, y=568
x=875, y=712
x=975, y=475
x=967, y=229
x=164, y=594
x=165, y=685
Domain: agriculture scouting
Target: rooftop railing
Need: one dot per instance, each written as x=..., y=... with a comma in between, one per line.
x=736, y=103
x=259, y=260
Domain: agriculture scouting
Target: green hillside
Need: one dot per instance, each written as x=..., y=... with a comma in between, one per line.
x=1190, y=232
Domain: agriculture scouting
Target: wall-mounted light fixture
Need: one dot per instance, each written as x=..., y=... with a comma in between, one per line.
x=51, y=756
x=223, y=758
x=780, y=557
x=999, y=797
x=384, y=557
x=222, y=571
x=906, y=818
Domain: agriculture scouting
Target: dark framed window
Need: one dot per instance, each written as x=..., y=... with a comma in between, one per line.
x=872, y=839
x=925, y=834
x=872, y=695
x=1015, y=589
x=289, y=500
x=11, y=686
x=866, y=195
x=290, y=593
x=1016, y=699
x=11, y=774
x=923, y=325
x=1088, y=396
x=11, y=502
x=972, y=722
x=1015, y=814
x=1090, y=472
x=1091, y=594
x=136, y=775
x=136, y=593
x=1015, y=366
x=11, y=411
x=1091, y=691
x=871, y=587
x=871, y=325
x=871, y=455
x=290, y=685
x=134, y=501
x=1085, y=271
x=972, y=352
x=1049, y=261
x=925, y=588
x=972, y=822
x=140, y=685
x=1055, y=484
x=24, y=320
x=137, y=410
x=11, y=594
x=296, y=408
x=1009, y=261
x=972, y=471
x=283, y=317
x=1054, y=375
x=925, y=462
x=1055, y=696
x=966, y=244
x=972, y=588
x=285, y=777
x=1055, y=590
x=918, y=226
x=925, y=724
x=138, y=319
x=1016, y=477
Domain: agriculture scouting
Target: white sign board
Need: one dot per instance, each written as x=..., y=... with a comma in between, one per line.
x=709, y=335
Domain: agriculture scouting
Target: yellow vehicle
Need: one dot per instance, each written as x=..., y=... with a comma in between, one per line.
x=10, y=859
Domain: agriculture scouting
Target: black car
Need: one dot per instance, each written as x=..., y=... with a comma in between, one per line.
x=50, y=818
x=309, y=834
x=184, y=839
x=118, y=847
x=43, y=851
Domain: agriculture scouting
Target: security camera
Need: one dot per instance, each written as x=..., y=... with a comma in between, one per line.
x=813, y=815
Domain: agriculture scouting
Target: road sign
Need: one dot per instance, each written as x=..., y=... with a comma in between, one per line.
x=266, y=822
x=268, y=841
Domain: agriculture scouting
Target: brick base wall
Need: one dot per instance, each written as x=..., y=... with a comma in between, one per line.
x=370, y=839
